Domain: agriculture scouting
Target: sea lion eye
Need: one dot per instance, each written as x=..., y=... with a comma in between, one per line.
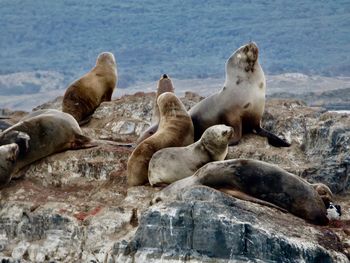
x=246, y=49
x=224, y=133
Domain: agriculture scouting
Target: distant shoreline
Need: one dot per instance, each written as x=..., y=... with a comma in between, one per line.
x=318, y=91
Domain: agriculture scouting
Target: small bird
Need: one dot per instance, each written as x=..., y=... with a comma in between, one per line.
x=333, y=211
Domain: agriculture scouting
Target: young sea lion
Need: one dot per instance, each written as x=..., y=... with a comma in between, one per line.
x=172, y=164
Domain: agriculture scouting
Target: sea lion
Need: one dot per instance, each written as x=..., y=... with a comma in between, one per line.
x=164, y=85
x=8, y=157
x=240, y=103
x=50, y=132
x=172, y=164
x=84, y=95
x=260, y=180
x=175, y=129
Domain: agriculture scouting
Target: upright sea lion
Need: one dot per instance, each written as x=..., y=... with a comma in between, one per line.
x=164, y=85
x=172, y=164
x=240, y=103
x=84, y=95
x=260, y=180
x=50, y=132
x=8, y=157
x=175, y=129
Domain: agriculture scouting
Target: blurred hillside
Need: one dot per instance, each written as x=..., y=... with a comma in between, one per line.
x=188, y=39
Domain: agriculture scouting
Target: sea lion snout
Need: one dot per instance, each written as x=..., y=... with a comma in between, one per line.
x=165, y=76
x=227, y=132
x=251, y=50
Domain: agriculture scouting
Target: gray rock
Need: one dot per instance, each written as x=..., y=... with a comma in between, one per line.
x=75, y=206
x=210, y=224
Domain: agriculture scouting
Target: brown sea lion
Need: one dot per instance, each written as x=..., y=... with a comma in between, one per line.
x=240, y=103
x=172, y=164
x=259, y=180
x=164, y=85
x=49, y=132
x=175, y=129
x=84, y=95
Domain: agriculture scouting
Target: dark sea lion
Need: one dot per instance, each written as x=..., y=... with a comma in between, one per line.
x=260, y=180
x=49, y=132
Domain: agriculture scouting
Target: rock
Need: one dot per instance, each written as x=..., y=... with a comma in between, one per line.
x=214, y=225
x=328, y=144
x=75, y=206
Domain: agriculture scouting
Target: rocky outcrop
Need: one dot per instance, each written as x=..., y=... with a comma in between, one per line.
x=75, y=206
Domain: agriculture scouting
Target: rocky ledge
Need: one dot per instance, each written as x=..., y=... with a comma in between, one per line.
x=75, y=206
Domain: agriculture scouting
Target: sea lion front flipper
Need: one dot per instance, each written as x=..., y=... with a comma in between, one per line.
x=246, y=197
x=236, y=124
x=273, y=139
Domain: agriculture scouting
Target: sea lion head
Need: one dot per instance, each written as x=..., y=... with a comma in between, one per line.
x=164, y=85
x=20, y=138
x=169, y=104
x=8, y=156
x=106, y=58
x=215, y=140
x=244, y=58
x=324, y=192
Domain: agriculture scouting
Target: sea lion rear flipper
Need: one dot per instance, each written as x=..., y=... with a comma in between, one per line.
x=246, y=197
x=113, y=143
x=82, y=142
x=273, y=139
